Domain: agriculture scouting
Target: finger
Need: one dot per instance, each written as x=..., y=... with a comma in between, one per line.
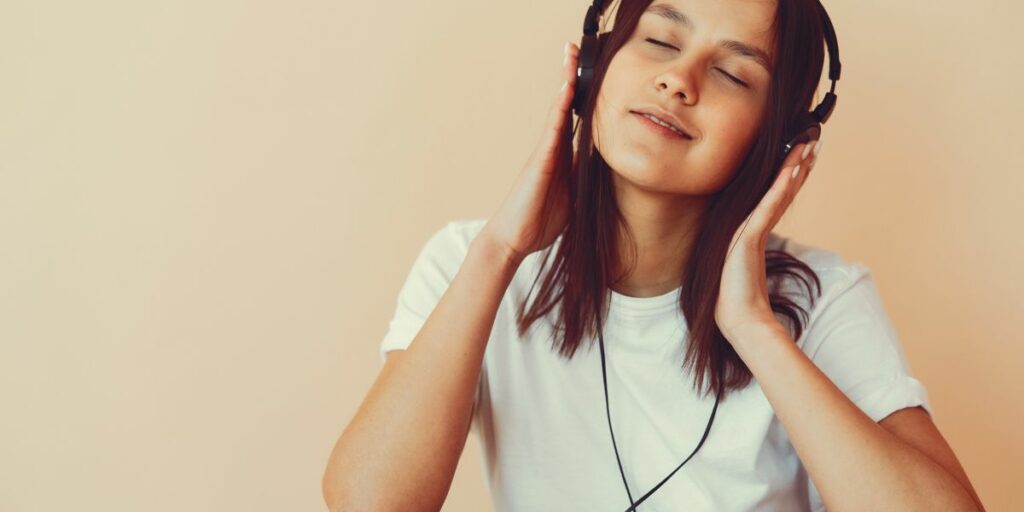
x=570, y=57
x=559, y=113
x=768, y=211
x=811, y=151
x=776, y=201
x=763, y=218
x=794, y=179
x=783, y=187
x=798, y=154
x=802, y=156
x=814, y=156
x=563, y=101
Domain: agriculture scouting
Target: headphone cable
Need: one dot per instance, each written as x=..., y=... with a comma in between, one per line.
x=604, y=378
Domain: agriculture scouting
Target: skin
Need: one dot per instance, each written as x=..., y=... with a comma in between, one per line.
x=663, y=185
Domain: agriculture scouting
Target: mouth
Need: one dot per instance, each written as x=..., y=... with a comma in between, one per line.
x=661, y=126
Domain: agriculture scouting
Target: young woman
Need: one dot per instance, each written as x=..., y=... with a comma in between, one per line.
x=648, y=226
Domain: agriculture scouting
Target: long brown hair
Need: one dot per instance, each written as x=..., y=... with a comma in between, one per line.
x=578, y=278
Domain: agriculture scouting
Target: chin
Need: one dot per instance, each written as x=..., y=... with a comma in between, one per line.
x=642, y=159
x=647, y=175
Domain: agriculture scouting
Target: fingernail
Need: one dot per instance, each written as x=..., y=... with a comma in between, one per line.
x=796, y=170
x=817, y=147
x=807, y=148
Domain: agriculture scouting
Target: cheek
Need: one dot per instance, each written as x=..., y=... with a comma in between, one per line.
x=728, y=137
x=607, y=108
x=732, y=132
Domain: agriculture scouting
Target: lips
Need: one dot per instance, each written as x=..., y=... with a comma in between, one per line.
x=660, y=128
x=666, y=117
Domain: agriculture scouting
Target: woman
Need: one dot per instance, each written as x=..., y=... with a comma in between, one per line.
x=652, y=233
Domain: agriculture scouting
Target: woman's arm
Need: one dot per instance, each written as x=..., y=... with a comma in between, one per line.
x=401, y=448
x=854, y=462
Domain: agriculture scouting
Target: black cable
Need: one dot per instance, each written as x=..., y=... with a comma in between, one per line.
x=604, y=377
x=608, y=411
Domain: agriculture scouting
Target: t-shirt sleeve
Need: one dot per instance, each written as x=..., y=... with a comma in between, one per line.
x=432, y=271
x=851, y=338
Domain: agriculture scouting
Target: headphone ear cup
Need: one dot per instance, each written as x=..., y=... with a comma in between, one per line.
x=806, y=128
x=589, y=49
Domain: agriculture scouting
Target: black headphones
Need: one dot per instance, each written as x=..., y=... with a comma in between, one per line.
x=806, y=127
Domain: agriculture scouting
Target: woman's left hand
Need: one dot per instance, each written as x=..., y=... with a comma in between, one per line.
x=743, y=292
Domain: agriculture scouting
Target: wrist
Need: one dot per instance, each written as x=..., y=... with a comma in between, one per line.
x=489, y=249
x=757, y=332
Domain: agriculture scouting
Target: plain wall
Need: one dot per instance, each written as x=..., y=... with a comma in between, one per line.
x=207, y=210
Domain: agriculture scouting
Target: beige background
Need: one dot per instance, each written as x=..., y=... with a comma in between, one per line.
x=207, y=209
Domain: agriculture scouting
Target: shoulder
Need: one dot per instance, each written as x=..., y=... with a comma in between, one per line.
x=464, y=230
x=847, y=284
x=450, y=242
x=832, y=267
x=853, y=339
x=816, y=257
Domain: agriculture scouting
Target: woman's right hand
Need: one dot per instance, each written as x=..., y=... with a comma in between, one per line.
x=539, y=193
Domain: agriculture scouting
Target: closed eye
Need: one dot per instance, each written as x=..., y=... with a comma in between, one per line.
x=720, y=70
x=660, y=43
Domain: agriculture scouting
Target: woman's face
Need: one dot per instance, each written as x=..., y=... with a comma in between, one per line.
x=681, y=68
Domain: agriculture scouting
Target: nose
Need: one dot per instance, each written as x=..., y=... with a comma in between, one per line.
x=678, y=82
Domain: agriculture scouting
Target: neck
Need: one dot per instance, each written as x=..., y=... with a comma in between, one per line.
x=664, y=227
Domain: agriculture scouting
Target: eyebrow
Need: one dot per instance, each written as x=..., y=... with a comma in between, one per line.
x=737, y=47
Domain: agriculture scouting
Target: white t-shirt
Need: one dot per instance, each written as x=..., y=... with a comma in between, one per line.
x=541, y=419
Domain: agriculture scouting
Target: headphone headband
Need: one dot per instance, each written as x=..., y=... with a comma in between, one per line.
x=824, y=109
x=594, y=12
